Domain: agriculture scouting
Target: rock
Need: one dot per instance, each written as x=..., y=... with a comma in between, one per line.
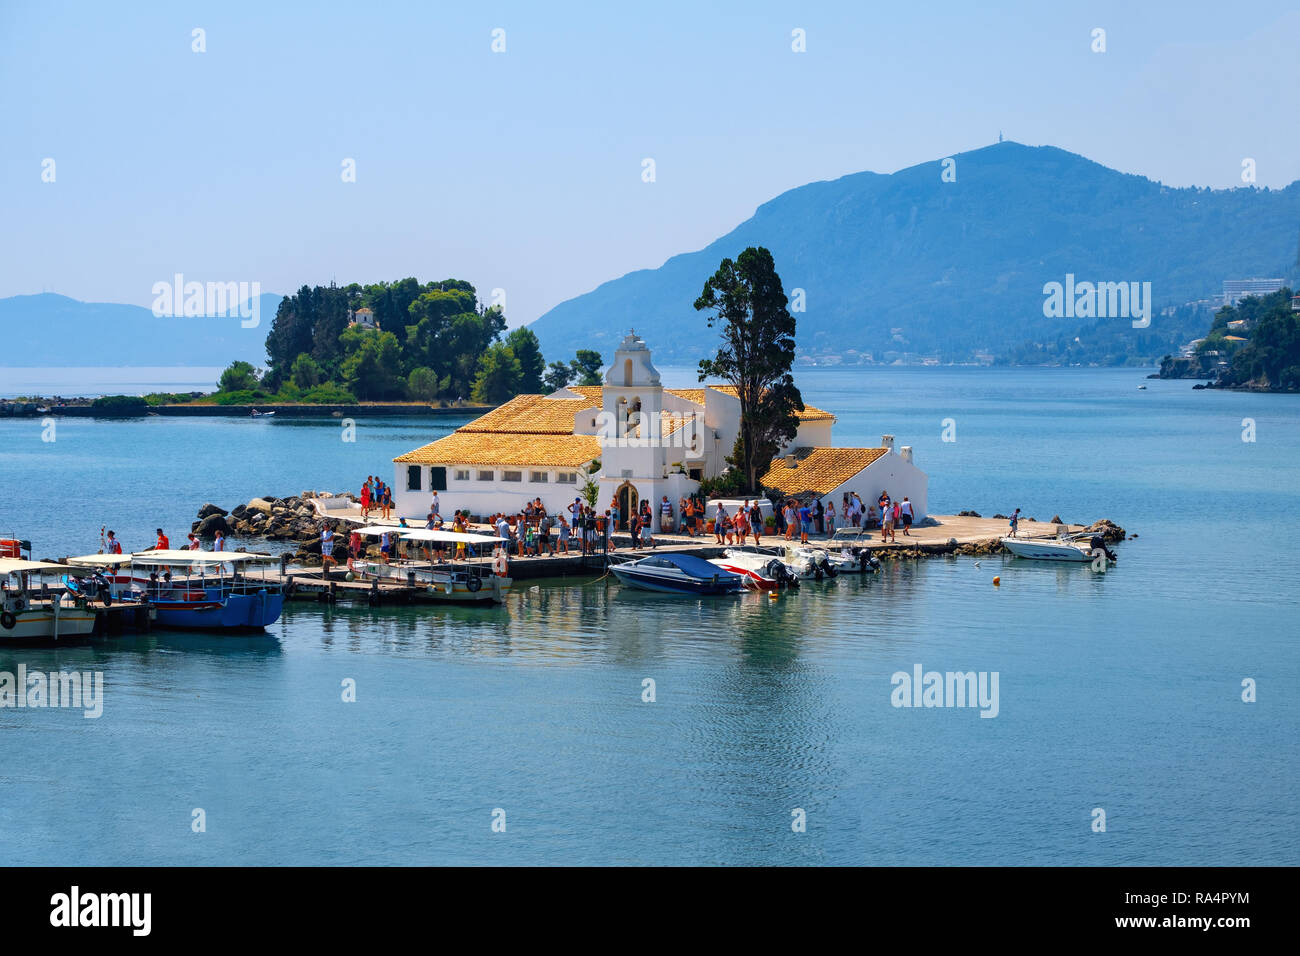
x=210, y=509
x=307, y=495
x=969, y=514
x=209, y=526
x=1108, y=530
x=1002, y=517
x=952, y=542
x=310, y=547
x=239, y=511
x=1056, y=519
x=262, y=505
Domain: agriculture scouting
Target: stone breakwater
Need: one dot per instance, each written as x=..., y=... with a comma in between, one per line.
x=292, y=521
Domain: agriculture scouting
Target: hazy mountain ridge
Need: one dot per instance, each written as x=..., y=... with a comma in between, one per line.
x=955, y=267
x=51, y=330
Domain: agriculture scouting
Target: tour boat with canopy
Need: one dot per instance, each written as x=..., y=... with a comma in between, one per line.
x=32, y=611
x=456, y=581
x=202, y=590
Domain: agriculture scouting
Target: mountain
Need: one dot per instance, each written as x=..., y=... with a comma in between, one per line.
x=906, y=265
x=49, y=330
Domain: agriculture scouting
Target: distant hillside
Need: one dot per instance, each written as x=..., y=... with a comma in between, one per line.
x=906, y=265
x=51, y=330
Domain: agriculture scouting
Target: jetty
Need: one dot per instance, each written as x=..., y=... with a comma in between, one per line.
x=939, y=535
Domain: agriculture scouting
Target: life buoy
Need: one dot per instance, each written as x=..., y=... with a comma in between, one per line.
x=474, y=583
x=8, y=621
x=501, y=564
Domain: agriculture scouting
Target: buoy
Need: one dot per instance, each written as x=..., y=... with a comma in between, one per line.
x=997, y=582
x=773, y=595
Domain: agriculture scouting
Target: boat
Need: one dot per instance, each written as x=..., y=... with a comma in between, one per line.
x=754, y=580
x=257, y=414
x=195, y=590
x=32, y=611
x=1142, y=388
x=765, y=564
x=1068, y=548
x=677, y=574
x=452, y=581
x=847, y=551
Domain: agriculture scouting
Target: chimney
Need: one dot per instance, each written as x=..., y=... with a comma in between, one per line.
x=790, y=461
x=887, y=441
x=906, y=453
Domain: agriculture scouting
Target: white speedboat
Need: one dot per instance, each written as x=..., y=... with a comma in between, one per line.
x=1061, y=548
x=766, y=563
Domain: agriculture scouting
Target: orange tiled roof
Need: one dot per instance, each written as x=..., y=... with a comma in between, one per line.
x=818, y=470
x=478, y=448
x=695, y=395
x=531, y=415
x=809, y=413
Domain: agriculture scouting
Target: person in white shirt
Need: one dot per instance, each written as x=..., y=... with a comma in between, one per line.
x=218, y=543
x=434, y=506
x=906, y=509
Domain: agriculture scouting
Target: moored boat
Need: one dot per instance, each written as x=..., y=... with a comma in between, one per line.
x=677, y=574
x=34, y=613
x=454, y=581
x=1062, y=548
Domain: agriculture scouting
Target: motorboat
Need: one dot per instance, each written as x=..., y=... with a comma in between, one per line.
x=256, y=414
x=764, y=564
x=32, y=611
x=846, y=550
x=677, y=574
x=754, y=580
x=452, y=581
x=198, y=590
x=1069, y=548
x=809, y=562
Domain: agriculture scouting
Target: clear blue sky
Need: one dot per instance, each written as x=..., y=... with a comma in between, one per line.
x=522, y=170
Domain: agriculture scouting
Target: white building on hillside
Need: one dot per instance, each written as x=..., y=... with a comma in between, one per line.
x=636, y=440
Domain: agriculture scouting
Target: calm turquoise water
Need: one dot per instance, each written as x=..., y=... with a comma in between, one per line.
x=1119, y=691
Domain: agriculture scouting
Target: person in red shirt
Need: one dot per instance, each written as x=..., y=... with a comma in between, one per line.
x=162, y=544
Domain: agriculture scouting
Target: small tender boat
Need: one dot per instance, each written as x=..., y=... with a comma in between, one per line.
x=1067, y=548
x=33, y=613
x=677, y=574
x=257, y=414
x=754, y=580
x=762, y=563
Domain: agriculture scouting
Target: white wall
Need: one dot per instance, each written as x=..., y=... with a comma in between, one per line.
x=888, y=473
x=482, y=497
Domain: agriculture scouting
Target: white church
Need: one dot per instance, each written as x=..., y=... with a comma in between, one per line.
x=636, y=440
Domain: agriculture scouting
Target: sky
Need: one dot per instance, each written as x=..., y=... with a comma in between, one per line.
x=523, y=169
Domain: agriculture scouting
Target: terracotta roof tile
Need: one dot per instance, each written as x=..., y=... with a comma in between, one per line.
x=809, y=413
x=818, y=470
x=471, y=448
x=531, y=415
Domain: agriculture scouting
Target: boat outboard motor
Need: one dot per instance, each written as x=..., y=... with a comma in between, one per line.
x=867, y=562
x=1098, y=542
x=824, y=564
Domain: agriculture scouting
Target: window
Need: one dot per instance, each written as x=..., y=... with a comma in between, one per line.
x=539, y=476
x=697, y=474
x=437, y=479
x=512, y=476
x=412, y=477
x=462, y=474
x=487, y=476
x=567, y=477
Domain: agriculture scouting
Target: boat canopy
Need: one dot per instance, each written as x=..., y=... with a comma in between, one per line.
x=105, y=560
x=23, y=566
x=459, y=537
x=181, y=558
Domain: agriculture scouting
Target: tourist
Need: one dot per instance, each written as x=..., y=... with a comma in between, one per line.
x=385, y=547
x=575, y=512
x=906, y=509
x=756, y=521
x=218, y=543
x=562, y=534
x=787, y=512
x=886, y=523
x=500, y=562
x=819, y=517
x=634, y=527
x=388, y=503
x=719, y=522
x=193, y=544
x=805, y=523
x=830, y=519
x=354, y=548
x=433, y=507
x=895, y=519
x=687, y=508
x=1015, y=522
x=589, y=524
x=647, y=515
x=544, y=534
x=613, y=515
x=666, y=516
x=365, y=498
x=605, y=528
x=741, y=524
x=326, y=549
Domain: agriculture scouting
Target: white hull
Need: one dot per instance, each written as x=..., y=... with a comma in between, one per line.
x=1048, y=549
x=37, y=623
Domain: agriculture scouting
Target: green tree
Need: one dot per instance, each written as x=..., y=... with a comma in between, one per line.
x=587, y=367
x=498, y=376
x=748, y=303
x=238, y=377
x=373, y=369
x=528, y=351
x=422, y=384
x=306, y=373
x=557, y=376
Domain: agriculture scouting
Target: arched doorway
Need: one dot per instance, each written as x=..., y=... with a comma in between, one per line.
x=628, y=501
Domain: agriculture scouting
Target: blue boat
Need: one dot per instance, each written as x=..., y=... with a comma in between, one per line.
x=678, y=574
x=196, y=590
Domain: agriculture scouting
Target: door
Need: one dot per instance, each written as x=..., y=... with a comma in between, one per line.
x=628, y=500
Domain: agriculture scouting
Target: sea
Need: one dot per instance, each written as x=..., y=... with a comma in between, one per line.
x=1146, y=715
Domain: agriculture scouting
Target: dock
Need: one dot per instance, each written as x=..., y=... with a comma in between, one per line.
x=940, y=535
